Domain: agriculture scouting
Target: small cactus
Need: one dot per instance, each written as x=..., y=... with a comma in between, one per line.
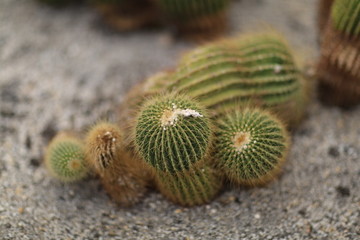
x=172, y=133
x=339, y=65
x=196, y=186
x=65, y=158
x=256, y=68
x=251, y=146
x=123, y=176
x=199, y=19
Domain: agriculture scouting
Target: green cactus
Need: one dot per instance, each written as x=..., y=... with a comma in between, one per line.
x=65, y=158
x=185, y=10
x=198, y=19
x=256, y=68
x=196, y=186
x=345, y=15
x=251, y=146
x=172, y=133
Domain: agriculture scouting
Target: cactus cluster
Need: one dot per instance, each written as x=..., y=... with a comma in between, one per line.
x=217, y=116
x=339, y=64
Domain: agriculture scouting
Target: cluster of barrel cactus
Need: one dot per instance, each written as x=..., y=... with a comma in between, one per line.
x=221, y=116
x=196, y=19
x=339, y=64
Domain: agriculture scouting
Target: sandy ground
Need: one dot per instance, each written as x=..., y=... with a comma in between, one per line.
x=63, y=69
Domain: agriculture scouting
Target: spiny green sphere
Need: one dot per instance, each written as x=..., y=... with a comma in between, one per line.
x=65, y=158
x=345, y=15
x=172, y=133
x=250, y=146
x=197, y=186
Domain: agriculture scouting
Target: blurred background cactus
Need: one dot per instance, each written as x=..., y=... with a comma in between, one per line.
x=339, y=64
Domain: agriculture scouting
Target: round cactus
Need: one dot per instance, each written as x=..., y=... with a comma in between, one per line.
x=172, y=133
x=257, y=69
x=103, y=142
x=251, y=146
x=339, y=65
x=199, y=19
x=65, y=158
x=196, y=186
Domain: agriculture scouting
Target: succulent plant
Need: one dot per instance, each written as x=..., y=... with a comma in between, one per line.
x=198, y=18
x=339, y=64
x=251, y=146
x=258, y=69
x=126, y=15
x=65, y=158
x=123, y=176
x=198, y=185
x=172, y=133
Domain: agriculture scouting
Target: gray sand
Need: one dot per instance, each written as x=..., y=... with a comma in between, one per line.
x=64, y=70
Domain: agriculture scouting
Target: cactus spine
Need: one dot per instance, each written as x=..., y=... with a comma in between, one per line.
x=251, y=146
x=123, y=176
x=172, y=133
x=198, y=185
x=199, y=19
x=339, y=65
x=256, y=68
x=65, y=158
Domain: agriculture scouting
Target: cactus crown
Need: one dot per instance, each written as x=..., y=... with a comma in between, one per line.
x=345, y=15
x=103, y=142
x=250, y=145
x=172, y=133
x=65, y=158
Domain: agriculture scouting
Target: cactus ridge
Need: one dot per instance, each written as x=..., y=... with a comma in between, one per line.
x=345, y=15
x=172, y=133
x=65, y=158
x=259, y=68
x=193, y=187
x=185, y=10
x=250, y=146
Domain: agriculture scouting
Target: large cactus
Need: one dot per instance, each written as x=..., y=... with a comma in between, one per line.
x=257, y=69
x=251, y=146
x=339, y=65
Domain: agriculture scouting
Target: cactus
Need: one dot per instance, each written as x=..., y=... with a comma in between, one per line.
x=65, y=158
x=123, y=176
x=126, y=15
x=339, y=65
x=172, y=133
x=199, y=19
x=251, y=146
x=324, y=9
x=256, y=68
x=196, y=186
